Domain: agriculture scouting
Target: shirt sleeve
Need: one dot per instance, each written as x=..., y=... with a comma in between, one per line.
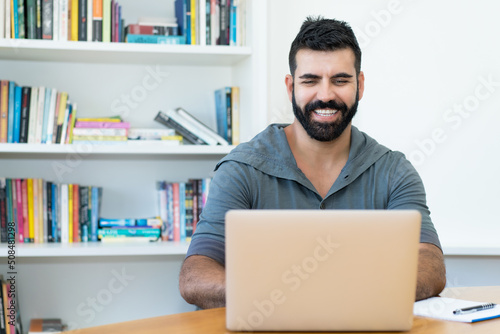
x=229, y=189
x=408, y=192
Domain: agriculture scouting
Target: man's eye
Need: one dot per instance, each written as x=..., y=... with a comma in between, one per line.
x=340, y=82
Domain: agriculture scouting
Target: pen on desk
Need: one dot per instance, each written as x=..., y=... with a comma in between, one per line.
x=476, y=308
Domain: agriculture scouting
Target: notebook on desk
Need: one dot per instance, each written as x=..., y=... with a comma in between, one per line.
x=321, y=270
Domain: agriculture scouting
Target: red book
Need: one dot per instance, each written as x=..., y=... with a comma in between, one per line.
x=20, y=208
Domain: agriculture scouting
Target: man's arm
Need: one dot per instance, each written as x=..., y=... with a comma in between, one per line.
x=202, y=282
x=431, y=277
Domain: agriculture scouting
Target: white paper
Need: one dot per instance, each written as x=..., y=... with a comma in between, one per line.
x=442, y=308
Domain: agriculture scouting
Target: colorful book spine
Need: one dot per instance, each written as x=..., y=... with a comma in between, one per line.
x=155, y=39
x=106, y=21
x=10, y=116
x=47, y=19
x=97, y=20
x=17, y=114
x=24, y=193
x=31, y=213
x=76, y=213
x=4, y=109
x=177, y=214
x=20, y=216
x=98, y=125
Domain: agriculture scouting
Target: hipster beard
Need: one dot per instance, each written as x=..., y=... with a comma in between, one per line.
x=323, y=131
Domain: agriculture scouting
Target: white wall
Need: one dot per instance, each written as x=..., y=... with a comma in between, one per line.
x=424, y=61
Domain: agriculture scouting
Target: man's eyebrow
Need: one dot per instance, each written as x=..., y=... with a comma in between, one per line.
x=315, y=76
x=342, y=75
x=309, y=76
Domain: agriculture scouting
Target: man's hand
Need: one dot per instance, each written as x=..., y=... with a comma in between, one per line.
x=431, y=277
x=202, y=282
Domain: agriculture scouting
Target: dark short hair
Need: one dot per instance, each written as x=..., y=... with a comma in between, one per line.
x=320, y=34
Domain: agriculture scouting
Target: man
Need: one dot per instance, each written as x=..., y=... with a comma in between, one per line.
x=320, y=161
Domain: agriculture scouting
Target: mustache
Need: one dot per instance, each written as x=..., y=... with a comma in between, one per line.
x=332, y=104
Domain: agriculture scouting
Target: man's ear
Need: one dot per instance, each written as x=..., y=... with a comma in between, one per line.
x=289, y=86
x=361, y=84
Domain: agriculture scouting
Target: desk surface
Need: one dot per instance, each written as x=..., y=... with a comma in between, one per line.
x=213, y=321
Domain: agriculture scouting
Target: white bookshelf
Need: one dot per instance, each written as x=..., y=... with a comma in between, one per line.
x=55, y=280
x=97, y=249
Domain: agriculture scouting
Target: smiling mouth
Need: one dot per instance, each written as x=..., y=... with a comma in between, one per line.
x=325, y=112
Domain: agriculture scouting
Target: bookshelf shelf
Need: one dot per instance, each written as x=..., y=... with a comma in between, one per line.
x=135, y=149
x=121, y=53
x=97, y=249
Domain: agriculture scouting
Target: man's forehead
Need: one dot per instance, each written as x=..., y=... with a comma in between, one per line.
x=311, y=60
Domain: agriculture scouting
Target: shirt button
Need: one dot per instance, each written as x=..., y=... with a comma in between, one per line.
x=322, y=206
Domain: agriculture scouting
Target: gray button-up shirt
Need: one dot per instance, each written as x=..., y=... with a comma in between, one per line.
x=263, y=174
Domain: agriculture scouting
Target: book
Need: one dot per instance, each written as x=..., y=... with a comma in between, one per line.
x=3, y=209
x=165, y=29
x=17, y=115
x=38, y=19
x=443, y=307
x=25, y=110
x=161, y=190
x=129, y=232
x=106, y=20
x=164, y=119
x=33, y=114
x=97, y=20
x=155, y=39
x=149, y=133
x=223, y=113
x=4, y=109
x=47, y=22
x=82, y=20
x=192, y=127
x=74, y=20
x=235, y=114
x=201, y=126
x=84, y=213
x=113, y=125
x=95, y=199
x=10, y=115
x=46, y=325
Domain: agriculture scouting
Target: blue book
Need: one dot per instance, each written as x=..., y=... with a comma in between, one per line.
x=115, y=222
x=232, y=24
x=10, y=115
x=15, y=17
x=180, y=14
x=223, y=113
x=17, y=113
x=182, y=210
x=170, y=211
x=55, y=209
x=94, y=215
x=155, y=39
x=46, y=112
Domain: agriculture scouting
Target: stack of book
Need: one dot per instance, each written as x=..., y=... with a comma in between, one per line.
x=62, y=20
x=227, y=110
x=44, y=211
x=119, y=230
x=147, y=136
x=190, y=128
x=154, y=30
x=210, y=22
x=102, y=130
x=35, y=115
x=180, y=205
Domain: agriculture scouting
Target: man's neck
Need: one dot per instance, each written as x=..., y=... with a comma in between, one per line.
x=318, y=154
x=321, y=162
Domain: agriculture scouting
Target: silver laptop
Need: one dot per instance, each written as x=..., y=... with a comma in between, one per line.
x=321, y=270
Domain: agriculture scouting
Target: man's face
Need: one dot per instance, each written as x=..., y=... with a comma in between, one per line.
x=325, y=92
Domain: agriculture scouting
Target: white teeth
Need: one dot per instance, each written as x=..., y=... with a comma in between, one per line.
x=325, y=112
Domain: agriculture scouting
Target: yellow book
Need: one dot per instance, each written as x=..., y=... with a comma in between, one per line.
x=194, y=26
x=235, y=114
x=74, y=20
x=31, y=214
x=72, y=125
x=61, y=114
x=70, y=212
